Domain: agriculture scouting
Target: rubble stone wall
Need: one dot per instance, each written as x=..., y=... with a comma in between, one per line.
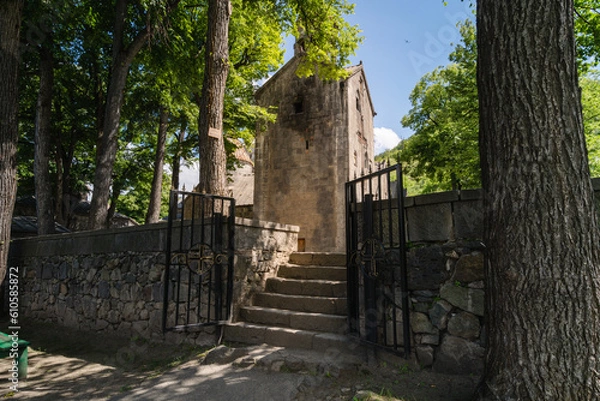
x=446, y=280
x=112, y=280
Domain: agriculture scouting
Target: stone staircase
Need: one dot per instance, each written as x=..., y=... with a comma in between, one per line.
x=303, y=307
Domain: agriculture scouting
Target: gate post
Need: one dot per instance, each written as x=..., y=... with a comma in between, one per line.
x=371, y=311
x=218, y=248
x=173, y=198
x=352, y=271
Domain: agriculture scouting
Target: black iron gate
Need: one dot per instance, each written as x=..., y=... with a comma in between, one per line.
x=198, y=280
x=378, y=309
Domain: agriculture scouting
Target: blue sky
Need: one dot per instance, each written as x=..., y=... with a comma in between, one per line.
x=403, y=39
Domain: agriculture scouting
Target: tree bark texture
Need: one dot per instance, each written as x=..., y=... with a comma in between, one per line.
x=10, y=23
x=153, y=215
x=213, y=169
x=41, y=164
x=542, y=269
x=106, y=151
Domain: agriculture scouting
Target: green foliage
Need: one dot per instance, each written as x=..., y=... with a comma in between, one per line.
x=167, y=73
x=443, y=152
x=587, y=32
x=590, y=93
x=328, y=39
x=391, y=155
x=73, y=106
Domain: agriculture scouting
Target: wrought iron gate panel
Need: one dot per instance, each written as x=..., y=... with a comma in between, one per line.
x=376, y=259
x=198, y=279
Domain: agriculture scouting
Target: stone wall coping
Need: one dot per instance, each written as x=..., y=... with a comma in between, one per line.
x=471, y=194
x=98, y=233
x=445, y=197
x=462, y=195
x=438, y=197
x=240, y=221
x=143, y=238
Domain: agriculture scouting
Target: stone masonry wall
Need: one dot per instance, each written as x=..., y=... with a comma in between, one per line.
x=112, y=280
x=322, y=138
x=446, y=279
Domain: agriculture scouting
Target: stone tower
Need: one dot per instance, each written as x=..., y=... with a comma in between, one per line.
x=322, y=138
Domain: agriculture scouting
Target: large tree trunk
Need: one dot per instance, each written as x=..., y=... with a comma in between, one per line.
x=213, y=169
x=106, y=152
x=153, y=215
x=41, y=164
x=543, y=265
x=10, y=23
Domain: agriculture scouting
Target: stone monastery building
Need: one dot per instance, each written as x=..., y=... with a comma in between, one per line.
x=322, y=138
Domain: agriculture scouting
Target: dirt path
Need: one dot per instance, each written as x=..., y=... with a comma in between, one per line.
x=71, y=365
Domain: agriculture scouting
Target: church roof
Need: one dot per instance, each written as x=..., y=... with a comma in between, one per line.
x=293, y=64
x=359, y=69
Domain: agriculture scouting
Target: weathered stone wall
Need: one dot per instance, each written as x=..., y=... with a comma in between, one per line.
x=112, y=280
x=323, y=132
x=446, y=280
x=447, y=302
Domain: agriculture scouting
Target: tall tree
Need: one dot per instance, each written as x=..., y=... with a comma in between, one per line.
x=123, y=53
x=153, y=214
x=122, y=57
x=543, y=261
x=10, y=24
x=213, y=174
x=41, y=167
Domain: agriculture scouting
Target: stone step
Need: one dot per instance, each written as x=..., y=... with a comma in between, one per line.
x=312, y=272
x=320, y=288
x=250, y=333
x=318, y=258
x=294, y=319
x=302, y=303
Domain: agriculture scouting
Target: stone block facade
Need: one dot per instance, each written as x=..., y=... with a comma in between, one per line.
x=322, y=138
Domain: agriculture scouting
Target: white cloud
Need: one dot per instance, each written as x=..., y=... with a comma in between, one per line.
x=385, y=138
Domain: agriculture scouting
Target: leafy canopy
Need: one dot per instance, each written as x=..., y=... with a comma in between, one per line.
x=444, y=116
x=443, y=153
x=328, y=39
